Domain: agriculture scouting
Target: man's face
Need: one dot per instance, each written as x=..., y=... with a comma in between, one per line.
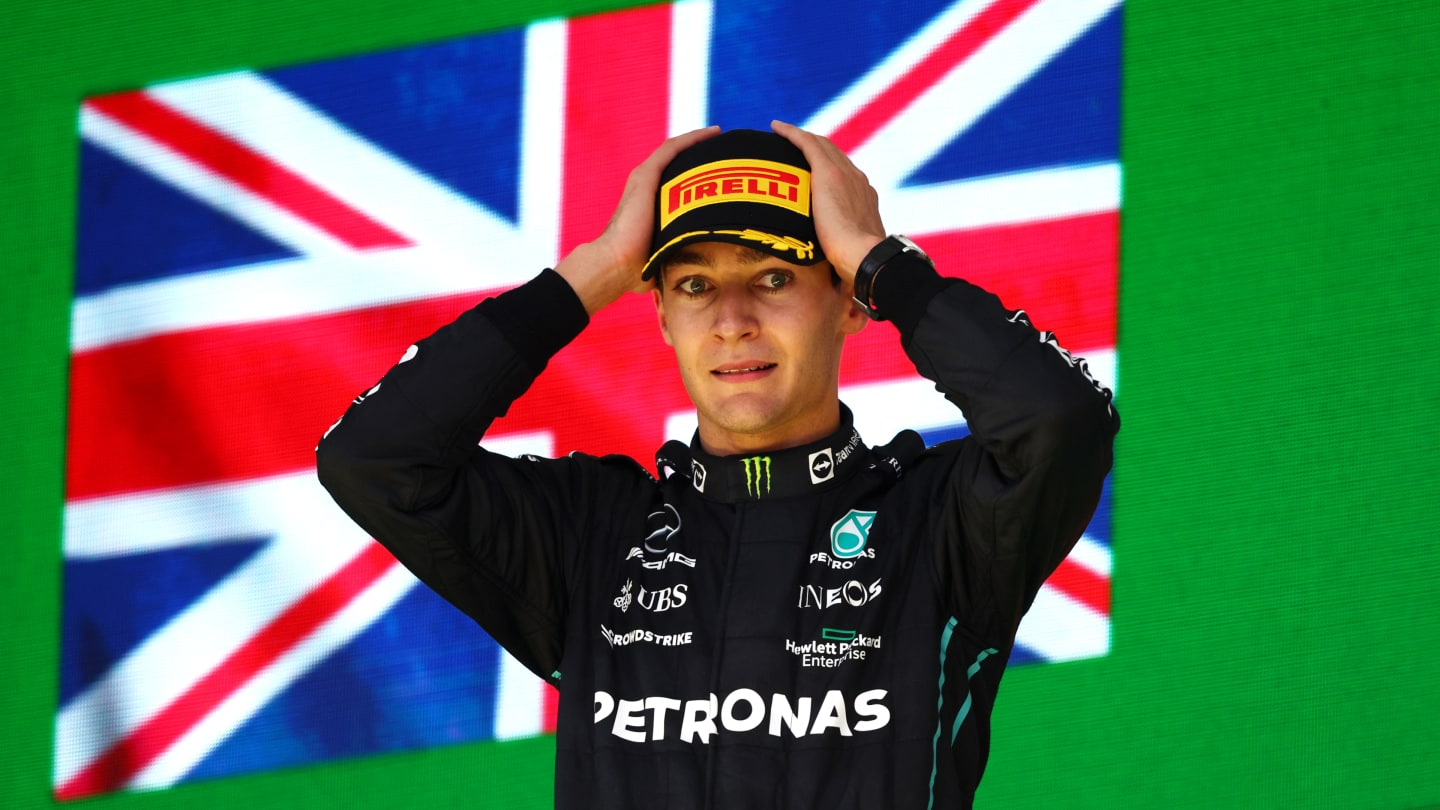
x=758, y=341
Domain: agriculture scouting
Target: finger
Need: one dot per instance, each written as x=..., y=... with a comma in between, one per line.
x=817, y=149
x=806, y=142
x=667, y=151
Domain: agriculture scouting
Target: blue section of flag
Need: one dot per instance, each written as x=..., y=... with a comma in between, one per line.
x=1064, y=115
x=451, y=110
x=1099, y=528
x=117, y=241
x=422, y=675
x=944, y=433
x=112, y=603
x=1021, y=655
x=785, y=60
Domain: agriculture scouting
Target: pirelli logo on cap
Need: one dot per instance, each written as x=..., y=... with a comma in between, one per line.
x=736, y=180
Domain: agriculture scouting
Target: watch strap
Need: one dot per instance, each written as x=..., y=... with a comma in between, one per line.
x=875, y=261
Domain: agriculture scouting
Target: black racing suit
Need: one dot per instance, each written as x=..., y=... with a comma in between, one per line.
x=818, y=627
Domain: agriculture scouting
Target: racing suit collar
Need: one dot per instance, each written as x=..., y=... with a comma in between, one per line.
x=777, y=474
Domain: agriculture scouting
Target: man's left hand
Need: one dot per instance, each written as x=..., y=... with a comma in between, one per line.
x=845, y=206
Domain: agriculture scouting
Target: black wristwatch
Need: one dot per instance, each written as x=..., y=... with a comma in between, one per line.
x=875, y=261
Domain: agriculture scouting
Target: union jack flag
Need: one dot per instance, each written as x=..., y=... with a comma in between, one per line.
x=257, y=247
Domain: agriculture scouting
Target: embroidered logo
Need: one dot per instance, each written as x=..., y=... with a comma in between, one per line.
x=822, y=466
x=850, y=534
x=623, y=600
x=757, y=475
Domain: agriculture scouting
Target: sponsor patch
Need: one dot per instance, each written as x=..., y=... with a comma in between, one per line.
x=655, y=718
x=822, y=465
x=850, y=534
x=736, y=180
x=853, y=593
x=834, y=648
x=646, y=637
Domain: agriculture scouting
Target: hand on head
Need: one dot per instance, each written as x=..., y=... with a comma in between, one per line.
x=604, y=269
x=845, y=207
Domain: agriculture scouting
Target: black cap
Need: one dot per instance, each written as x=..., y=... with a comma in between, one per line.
x=746, y=187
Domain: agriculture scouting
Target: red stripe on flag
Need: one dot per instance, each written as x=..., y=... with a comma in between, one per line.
x=1083, y=585
x=959, y=46
x=237, y=402
x=617, y=80
x=245, y=167
x=122, y=762
x=1062, y=272
x=550, y=711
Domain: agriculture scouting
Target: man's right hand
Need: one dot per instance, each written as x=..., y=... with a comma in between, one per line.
x=602, y=270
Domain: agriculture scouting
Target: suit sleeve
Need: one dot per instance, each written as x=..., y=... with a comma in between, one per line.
x=1018, y=491
x=499, y=538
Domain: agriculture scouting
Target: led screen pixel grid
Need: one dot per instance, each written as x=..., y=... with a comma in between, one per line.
x=1276, y=721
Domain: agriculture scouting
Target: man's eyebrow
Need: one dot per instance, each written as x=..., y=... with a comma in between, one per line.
x=745, y=255
x=687, y=257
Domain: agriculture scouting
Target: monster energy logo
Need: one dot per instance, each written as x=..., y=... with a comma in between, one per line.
x=757, y=475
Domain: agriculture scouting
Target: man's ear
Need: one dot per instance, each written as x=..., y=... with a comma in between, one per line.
x=855, y=318
x=659, y=301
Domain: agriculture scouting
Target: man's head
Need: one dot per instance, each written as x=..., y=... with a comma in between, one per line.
x=756, y=315
x=745, y=187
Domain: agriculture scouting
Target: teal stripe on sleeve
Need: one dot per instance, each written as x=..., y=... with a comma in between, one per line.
x=939, y=708
x=965, y=707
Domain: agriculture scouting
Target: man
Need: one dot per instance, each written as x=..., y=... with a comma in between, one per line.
x=786, y=618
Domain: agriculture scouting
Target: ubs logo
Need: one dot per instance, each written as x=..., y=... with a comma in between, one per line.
x=667, y=598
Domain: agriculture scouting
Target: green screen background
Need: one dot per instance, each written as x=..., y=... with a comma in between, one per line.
x=1275, y=610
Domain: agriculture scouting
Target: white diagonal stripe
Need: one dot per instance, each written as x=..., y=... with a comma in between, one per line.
x=261, y=115
x=334, y=278
x=1093, y=556
x=895, y=65
x=972, y=88
x=313, y=540
x=242, y=704
x=310, y=545
x=174, y=169
x=1059, y=628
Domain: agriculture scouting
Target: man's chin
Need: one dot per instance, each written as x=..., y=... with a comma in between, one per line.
x=741, y=416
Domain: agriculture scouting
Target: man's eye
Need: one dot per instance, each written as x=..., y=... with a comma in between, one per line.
x=692, y=286
x=775, y=280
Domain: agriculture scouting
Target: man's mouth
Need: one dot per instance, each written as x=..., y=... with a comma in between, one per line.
x=745, y=369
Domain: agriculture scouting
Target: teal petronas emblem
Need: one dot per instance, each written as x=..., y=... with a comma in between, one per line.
x=850, y=534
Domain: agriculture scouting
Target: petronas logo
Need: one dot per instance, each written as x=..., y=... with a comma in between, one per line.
x=757, y=475
x=850, y=534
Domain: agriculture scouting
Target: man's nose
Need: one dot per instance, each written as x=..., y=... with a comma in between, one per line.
x=735, y=314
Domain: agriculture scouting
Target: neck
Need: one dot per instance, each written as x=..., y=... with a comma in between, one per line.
x=718, y=441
